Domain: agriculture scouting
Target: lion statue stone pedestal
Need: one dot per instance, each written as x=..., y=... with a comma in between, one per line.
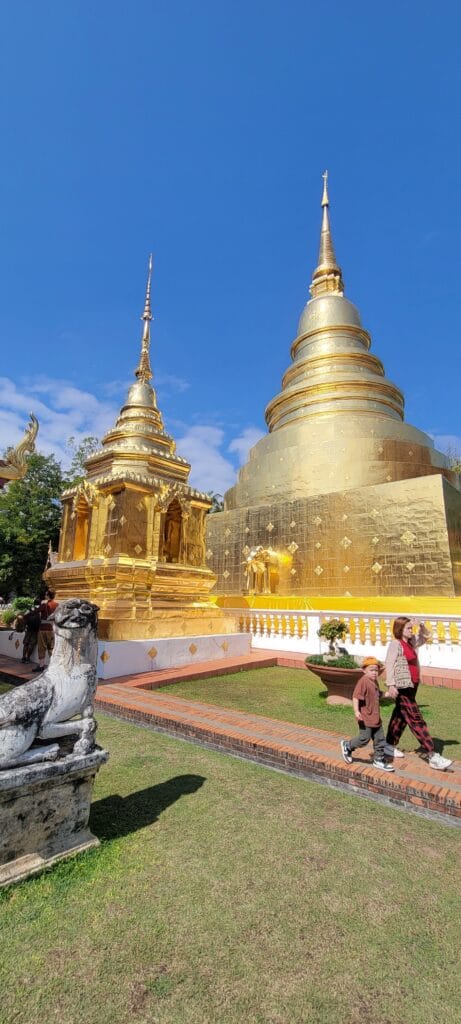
x=48, y=755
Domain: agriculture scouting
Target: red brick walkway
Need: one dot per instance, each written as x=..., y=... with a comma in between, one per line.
x=311, y=753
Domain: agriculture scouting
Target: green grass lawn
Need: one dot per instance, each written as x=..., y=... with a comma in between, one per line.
x=296, y=695
x=225, y=893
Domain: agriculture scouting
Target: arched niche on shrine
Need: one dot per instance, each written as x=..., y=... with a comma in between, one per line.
x=171, y=539
x=81, y=530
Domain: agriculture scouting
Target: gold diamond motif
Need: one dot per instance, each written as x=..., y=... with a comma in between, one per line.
x=225, y=645
x=270, y=527
x=111, y=503
x=153, y=652
x=72, y=515
x=292, y=524
x=345, y=517
x=193, y=648
x=408, y=537
x=318, y=545
x=209, y=553
x=226, y=574
x=140, y=506
x=247, y=529
x=245, y=550
x=68, y=553
x=317, y=520
x=227, y=532
x=345, y=543
x=374, y=512
x=122, y=520
x=380, y=449
x=293, y=547
x=107, y=549
x=347, y=593
x=293, y=572
x=318, y=570
x=105, y=656
x=138, y=549
x=410, y=566
x=346, y=568
x=375, y=540
x=226, y=553
x=410, y=452
x=376, y=568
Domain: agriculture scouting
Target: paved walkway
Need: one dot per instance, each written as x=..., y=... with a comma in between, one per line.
x=300, y=750
x=311, y=753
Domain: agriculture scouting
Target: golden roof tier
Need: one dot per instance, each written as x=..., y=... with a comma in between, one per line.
x=342, y=497
x=338, y=422
x=133, y=531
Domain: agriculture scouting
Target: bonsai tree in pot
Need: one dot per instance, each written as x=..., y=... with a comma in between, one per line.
x=332, y=630
x=339, y=672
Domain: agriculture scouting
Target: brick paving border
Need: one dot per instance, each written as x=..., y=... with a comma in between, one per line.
x=299, y=750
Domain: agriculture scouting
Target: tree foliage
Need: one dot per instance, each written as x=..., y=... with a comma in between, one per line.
x=79, y=454
x=30, y=516
x=217, y=501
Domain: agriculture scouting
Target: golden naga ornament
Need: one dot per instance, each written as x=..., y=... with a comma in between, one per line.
x=14, y=464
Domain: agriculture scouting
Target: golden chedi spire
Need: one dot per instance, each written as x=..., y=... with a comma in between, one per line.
x=143, y=371
x=327, y=276
x=138, y=442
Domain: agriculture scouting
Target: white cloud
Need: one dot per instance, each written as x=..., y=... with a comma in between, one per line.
x=211, y=471
x=202, y=445
x=64, y=411
x=242, y=444
x=67, y=412
x=167, y=382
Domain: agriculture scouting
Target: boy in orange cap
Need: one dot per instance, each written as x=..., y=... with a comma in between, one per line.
x=365, y=700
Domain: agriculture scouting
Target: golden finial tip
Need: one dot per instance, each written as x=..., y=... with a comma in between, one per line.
x=325, y=200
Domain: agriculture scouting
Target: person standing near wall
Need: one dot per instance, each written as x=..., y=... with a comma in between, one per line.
x=46, y=632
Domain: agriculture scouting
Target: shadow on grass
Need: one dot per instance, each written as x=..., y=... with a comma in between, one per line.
x=116, y=816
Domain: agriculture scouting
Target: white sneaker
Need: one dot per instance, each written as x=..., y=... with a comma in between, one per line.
x=439, y=763
x=393, y=751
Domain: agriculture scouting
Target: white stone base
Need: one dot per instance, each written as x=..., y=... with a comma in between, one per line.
x=44, y=811
x=130, y=657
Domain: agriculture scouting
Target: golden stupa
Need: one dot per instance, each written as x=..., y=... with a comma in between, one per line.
x=341, y=497
x=133, y=532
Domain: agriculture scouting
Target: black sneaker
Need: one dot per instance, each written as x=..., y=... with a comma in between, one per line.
x=346, y=752
x=383, y=766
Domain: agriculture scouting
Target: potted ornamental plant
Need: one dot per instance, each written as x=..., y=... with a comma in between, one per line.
x=337, y=669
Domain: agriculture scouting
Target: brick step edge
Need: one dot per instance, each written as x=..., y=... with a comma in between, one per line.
x=315, y=767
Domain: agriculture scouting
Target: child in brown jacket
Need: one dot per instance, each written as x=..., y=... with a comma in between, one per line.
x=365, y=700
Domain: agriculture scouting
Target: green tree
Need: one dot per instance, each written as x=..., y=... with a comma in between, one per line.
x=79, y=454
x=217, y=501
x=30, y=516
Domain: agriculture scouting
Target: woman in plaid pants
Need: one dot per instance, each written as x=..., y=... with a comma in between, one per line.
x=403, y=677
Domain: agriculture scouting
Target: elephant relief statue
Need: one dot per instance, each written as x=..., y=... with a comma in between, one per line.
x=259, y=566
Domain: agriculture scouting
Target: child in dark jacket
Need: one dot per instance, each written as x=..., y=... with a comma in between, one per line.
x=365, y=700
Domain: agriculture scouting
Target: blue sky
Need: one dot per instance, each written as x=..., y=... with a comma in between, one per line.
x=199, y=131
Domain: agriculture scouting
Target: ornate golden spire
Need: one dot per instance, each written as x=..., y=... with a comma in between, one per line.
x=143, y=371
x=327, y=277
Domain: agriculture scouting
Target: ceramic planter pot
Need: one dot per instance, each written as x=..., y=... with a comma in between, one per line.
x=340, y=682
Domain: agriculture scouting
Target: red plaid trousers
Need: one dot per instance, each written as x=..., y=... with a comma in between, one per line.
x=406, y=712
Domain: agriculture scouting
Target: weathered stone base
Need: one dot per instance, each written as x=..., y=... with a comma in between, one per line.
x=44, y=812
